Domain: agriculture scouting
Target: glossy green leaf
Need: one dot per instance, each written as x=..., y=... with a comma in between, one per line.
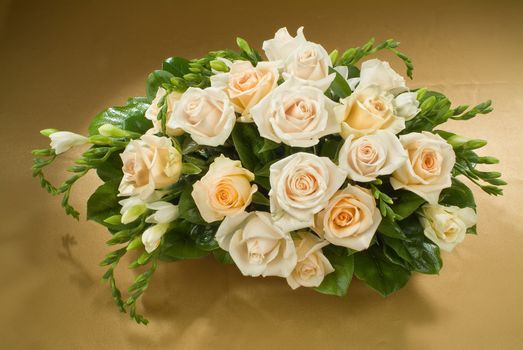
x=458, y=195
x=390, y=228
x=130, y=117
x=155, y=80
x=337, y=282
x=372, y=267
x=339, y=86
x=111, y=169
x=177, y=66
x=223, y=256
x=103, y=203
x=259, y=198
x=406, y=204
x=248, y=144
x=188, y=209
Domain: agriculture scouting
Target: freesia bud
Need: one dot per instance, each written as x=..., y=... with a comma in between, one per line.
x=47, y=132
x=132, y=209
x=219, y=66
x=62, y=141
x=152, y=236
x=112, y=131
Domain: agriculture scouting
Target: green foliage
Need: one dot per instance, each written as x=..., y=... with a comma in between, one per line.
x=188, y=209
x=103, y=203
x=129, y=117
x=457, y=195
x=406, y=203
x=155, y=80
x=337, y=282
x=339, y=86
x=177, y=66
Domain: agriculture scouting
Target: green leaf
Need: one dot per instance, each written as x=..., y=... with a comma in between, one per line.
x=111, y=169
x=188, y=209
x=390, y=228
x=259, y=198
x=337, y=282
x=155, y=80
x=248, y=144
x=268, y=145
x=406, y=204
x=190, y=169
x=130, y=117
x=103, y=203
x=372, y=267
x=458, y=195
x=177, y=66
x=330, y=148
x=223, y=256
x=177, y=248
x=339, y=86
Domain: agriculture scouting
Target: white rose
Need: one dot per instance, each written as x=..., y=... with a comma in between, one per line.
x=301, y=186
x=62, y=141
x=446, y=226
x=428, y=168
x=207, y=115
x=247, y=85
x=406, y=105
x=312, y=265
x=152, y=236
x=149, y=163
x=283, y=44
x=256, y=245
x=225, y=190
x=379, y=73
x=350, y=219
x=371, y=156
x=152, y=112
x=366, y=111
x=310, y=63
x=295, y=114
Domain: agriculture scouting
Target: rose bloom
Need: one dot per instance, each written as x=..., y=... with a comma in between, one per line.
x=446, y=226
x=206, y=114
x=367, y=111
x=379, y=73
x=224, y=190
x=295, y=114
x=247, y=85
x=371, y=156
x=312, y=265
x=256, y=245
x=152, y=112
x=303, y=60
x=301, y=186
x=350, y=219
x=149, y=163
x=428, y=169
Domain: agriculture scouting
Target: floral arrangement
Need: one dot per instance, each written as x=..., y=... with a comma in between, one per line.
x=308, y=166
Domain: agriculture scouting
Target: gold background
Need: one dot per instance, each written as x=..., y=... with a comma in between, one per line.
x=61, y=62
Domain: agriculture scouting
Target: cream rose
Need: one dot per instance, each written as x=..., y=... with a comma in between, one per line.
x=256, y=245
x=301, y=186
x=247, y=85
x=283, y=44
x=379, y=73
x=428, y=168
x=312, y=266
x=295, y=114
x=149, y=163
x=371, y=156
x=366, y=111
x=207, y=115
x=350, y=219
x=406, y=105
x=225, y=190
x=446, y=226
x=152, y=112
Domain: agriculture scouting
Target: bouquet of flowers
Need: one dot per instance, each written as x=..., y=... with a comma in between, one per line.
x=310, y=166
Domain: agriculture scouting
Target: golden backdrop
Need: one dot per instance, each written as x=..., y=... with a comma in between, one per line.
x=61, y=62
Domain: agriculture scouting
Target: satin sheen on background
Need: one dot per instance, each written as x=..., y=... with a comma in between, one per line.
x=61, y=62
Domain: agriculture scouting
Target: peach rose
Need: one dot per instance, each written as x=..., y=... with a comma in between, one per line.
x=225, y=190
x=350, y=219
x=149, y=163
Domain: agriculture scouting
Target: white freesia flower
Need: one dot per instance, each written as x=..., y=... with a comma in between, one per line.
x=152, y=112
x=152, y=236
x=149, y=163
x=446, y=226
x=312, y=266
x=256, y=245
x=304, y=60
x=367, y=111
x=295, y=114
x=225, y=190
x=132, y=209
x=371, y=156
x=406, y=105
x=428, y=169
x=62, y=141
x=206, y=114
x=283, y=44
x=301, y=186
x=165, y=212
x=247, y=85
x=379, y=73
x=350, y=219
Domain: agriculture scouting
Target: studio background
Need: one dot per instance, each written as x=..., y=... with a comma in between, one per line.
x=61, y=62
